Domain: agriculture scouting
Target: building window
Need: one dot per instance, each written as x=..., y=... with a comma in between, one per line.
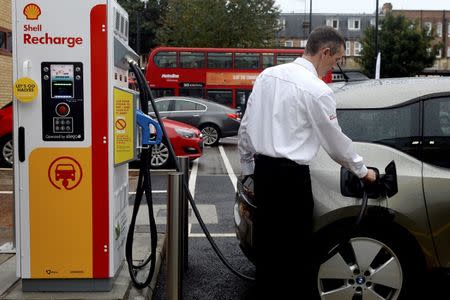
x=448, y=51
x=303, y=43
x=427, y=26
x=372, y=22
x=282, y=23
x=333, y=23
x=448, y=30
x=348, y=44
x=439, y=29
x=439, y=53
x=5, y=41
x=354, y=24
x=357, y=47
x=289, y=44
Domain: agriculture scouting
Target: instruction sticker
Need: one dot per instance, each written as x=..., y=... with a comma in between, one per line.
x=25, y=89
x=124, y=128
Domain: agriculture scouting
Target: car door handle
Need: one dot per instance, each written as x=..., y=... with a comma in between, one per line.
x=431, y=142
x=196, y=115
x=415, y=142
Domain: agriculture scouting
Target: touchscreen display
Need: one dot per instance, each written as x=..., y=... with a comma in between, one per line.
x=62, y=85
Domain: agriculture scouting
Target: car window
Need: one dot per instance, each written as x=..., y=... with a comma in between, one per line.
x=436, y=132
x=182, y=105
x=162, y=105
x=397, y=127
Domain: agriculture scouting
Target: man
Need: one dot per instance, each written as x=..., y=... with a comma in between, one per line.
x=290, y=113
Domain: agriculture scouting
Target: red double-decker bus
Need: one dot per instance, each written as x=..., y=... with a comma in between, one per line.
x=223, y=75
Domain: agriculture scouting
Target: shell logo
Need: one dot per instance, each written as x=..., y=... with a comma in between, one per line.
x=32, y=11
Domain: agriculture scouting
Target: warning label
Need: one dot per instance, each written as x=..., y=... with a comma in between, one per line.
x=25, y=89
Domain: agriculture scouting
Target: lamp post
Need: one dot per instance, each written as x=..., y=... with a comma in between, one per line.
x=310, y=16
x=138, y=30
x=376, y=31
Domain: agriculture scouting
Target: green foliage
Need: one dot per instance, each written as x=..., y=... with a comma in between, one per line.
x=403, y=46
x=149, y=20
x=219, y=23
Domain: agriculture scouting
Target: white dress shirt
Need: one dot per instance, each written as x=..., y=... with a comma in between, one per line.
x=290, y=113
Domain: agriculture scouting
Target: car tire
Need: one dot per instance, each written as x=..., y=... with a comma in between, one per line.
x=381, y=263
x=6, y=151
x=211, y=135
x=160, y=157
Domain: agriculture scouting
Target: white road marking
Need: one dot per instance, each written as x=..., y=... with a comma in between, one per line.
x=202, y=235
x=6, y=192
x=230, y=171
x=153, y=192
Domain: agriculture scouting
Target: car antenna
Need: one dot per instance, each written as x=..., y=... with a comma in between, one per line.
x=345, y=75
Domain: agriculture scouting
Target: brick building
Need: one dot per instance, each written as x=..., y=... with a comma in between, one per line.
x=5, y=52
x=439, y=20
x=295, y=30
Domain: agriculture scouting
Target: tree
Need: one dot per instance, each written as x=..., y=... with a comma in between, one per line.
x=219, y=23
x=404, y=46
x=149, y=20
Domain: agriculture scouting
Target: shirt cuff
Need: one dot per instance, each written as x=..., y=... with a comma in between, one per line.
x=361, y=173
x=247, y=168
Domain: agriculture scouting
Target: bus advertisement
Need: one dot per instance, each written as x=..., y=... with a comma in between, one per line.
x=223, y=75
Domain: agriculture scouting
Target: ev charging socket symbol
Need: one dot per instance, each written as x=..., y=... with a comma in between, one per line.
x=65, y=173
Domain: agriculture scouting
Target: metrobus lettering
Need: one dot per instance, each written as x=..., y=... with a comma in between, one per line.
x=50, y=40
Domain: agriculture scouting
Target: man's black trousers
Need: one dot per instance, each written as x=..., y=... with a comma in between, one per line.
x=283, y=229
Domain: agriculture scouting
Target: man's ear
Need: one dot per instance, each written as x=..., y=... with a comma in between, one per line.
x=326, y=51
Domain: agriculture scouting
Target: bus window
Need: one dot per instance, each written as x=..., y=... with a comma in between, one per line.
x=286, y=58
x=224, y=97
x=192, y=60
x=162, y=92
x=268, y=60
x=166, y=59
x=220, y=60
x=241, y=100
x=192, y=92
x=249, y=61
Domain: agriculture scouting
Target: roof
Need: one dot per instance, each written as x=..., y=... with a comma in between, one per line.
x=387, y=92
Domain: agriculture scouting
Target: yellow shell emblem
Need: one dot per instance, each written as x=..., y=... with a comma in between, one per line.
x=32, y=11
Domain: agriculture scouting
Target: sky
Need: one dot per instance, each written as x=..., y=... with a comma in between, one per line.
x=357, y=6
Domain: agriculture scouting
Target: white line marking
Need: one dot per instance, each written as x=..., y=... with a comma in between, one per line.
x=230, y=171
x=153, y=192
x=6, y=169
x=201, y=235
x=6, y=192
x=193, y=178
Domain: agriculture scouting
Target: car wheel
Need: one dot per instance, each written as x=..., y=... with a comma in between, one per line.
x=160, y=157
x=211, y=135
x=380, y=265
x=6, y=151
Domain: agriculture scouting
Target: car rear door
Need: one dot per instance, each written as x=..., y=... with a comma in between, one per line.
x=436, y=172
x=188, y=111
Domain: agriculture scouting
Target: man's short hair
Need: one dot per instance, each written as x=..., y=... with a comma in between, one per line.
x=324, y=37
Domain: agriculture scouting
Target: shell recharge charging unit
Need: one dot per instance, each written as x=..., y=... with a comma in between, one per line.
x=74, y=132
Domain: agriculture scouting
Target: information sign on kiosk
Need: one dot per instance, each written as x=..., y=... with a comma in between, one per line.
x=74, y=132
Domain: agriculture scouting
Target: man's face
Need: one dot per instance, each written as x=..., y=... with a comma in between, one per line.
x=329, y=61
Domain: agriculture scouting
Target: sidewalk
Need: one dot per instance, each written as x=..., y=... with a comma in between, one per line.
x=11, y=287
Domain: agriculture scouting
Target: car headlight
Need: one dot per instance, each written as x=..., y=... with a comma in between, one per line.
x=185, y=132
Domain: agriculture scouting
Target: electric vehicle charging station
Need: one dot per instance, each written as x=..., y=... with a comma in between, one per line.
x=74, y=131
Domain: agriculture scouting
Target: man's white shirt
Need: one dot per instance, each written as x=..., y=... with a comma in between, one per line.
x=290, y=113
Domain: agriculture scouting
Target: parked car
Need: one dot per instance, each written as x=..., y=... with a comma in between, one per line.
x=6, y=142
x=404, y=120
x=186, y=141
x=214, y=120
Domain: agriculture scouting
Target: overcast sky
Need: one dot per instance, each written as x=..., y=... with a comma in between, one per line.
x=357, y=6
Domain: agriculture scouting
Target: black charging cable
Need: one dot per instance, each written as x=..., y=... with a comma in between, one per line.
x=148, y=94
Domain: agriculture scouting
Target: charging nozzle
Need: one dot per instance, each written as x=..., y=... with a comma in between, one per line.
x=145, y=121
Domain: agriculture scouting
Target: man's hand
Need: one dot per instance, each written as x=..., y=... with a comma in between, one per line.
x=371, y=176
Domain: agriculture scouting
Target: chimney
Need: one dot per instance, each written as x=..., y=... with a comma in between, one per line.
x=387, y=8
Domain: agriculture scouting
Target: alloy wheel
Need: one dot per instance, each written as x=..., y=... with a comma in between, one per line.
x=160, y=155
x=210, y=136
x=8, y=152
x=364, y=268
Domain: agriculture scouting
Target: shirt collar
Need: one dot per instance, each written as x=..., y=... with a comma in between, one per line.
x=307, y=65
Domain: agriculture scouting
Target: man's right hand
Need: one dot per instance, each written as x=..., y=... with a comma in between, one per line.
x=371, y=176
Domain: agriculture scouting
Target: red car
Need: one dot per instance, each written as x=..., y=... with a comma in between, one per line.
x=186, y=141
x=6, y=128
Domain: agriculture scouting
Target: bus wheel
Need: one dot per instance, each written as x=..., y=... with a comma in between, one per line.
x=211, y=135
